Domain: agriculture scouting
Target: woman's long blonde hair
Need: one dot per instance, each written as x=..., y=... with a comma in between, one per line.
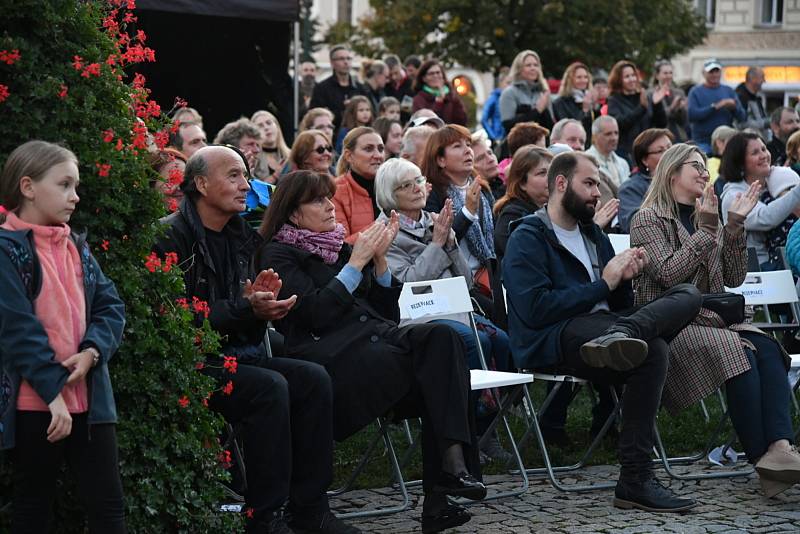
x=283, y=148
x=660, y=195
x=516, y=68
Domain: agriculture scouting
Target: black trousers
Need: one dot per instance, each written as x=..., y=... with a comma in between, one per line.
x=91, y=455
x=430, y=379
x=656, y=323
x=284, y=410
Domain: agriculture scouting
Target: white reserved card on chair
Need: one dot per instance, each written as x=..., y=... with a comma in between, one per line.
x=427, y=304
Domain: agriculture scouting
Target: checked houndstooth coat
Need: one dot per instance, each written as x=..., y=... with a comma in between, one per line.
x=705, y=353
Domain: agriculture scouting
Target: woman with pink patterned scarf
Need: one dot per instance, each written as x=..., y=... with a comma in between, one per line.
x=346, y=319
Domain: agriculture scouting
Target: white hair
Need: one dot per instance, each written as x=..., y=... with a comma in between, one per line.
x=555, y=133
x=389, y=175
x=410, y=138
x=598, y=123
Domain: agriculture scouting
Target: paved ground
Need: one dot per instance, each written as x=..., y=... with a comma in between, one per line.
x=727, y=506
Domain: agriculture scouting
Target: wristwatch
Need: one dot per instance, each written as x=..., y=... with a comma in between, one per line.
x=95, y=355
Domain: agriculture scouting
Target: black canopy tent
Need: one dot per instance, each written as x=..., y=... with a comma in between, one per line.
x=227, y=58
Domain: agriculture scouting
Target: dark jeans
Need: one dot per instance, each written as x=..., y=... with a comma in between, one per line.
x=655, y=323
x=284, y=410
x=91, y=455
x=758, y=400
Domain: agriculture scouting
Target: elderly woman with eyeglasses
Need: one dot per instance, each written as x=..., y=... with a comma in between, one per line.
x=679, y=227
x=425, y=248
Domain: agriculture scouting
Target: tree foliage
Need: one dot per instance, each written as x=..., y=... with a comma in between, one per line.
x=64, y=79
x=486, y=35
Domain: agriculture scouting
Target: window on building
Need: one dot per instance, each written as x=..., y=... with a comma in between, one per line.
x=772, y=12
x=707, y=9
x=345, y=11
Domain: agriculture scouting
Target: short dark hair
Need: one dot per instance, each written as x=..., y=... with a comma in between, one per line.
x=777, y=113
x=731, y=168
x=412, y=60
x=564, y=164
x=336, y=48
x=391, y=60
x=196, y=166
x=294, y=189
x=175, y=138
x=641, y=145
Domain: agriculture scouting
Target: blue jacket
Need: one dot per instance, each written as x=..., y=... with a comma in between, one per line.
x=631, y=194
x=546, y=286
x=24, y=348
x=704, y=118
x=491, y=120
x=793, y=249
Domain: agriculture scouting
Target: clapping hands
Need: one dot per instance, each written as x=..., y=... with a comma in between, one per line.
x=263, y=296
x=744, y=203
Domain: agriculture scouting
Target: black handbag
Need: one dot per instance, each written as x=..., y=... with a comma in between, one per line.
x=729, y=306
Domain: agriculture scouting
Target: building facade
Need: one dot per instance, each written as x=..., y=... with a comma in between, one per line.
x=744, y=33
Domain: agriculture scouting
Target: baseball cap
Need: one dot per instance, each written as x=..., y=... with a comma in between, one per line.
x=711, y=64
x=419, y=121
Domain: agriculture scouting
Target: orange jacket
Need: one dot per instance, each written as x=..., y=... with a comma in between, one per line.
x=353, y=207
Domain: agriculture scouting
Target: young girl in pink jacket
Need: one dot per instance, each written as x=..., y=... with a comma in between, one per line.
x=60, y=321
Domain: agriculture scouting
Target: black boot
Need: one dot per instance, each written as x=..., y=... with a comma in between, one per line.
x=648, y=494
x=448, y=515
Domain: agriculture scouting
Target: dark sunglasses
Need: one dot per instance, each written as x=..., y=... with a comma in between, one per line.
x=322, y=149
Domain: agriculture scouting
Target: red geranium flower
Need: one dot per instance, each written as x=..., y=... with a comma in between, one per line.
x=108, y=135
x=184, y=401
x=3, y=92
x=228, y=389
x=9, y=58
x=62, y=94
x=152, y=262
x=230, y=364
x=105, y=244
x=103, y=169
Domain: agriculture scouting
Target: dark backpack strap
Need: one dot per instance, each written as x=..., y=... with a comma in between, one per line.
x=24, y=261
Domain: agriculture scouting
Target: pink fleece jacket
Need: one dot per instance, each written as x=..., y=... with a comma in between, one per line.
x=60, y=306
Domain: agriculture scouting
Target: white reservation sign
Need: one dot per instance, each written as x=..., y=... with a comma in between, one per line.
x=427, y=304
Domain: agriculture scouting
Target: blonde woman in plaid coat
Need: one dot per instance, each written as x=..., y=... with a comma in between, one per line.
x=679, y=228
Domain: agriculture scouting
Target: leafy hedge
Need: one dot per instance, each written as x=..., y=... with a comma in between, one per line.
x=65, y=76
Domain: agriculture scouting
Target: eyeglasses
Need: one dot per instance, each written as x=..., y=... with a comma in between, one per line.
x=419, y=181
x=699, y=167
x=323, y=148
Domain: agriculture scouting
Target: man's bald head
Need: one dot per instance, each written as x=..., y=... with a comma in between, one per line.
x=203, y=162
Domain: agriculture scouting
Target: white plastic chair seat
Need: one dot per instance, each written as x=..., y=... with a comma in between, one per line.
x=480, y=379
x=620, y=242
x=795, y=361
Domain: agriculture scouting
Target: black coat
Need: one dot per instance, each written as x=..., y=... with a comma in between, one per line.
x=330, y=94
x=565, y=107
x=633, y=119
x=355, y=336
x=230, y=314
x=513, y=209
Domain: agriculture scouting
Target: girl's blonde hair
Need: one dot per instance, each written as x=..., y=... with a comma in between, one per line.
x=660, y=194
x=33, y=159
x=283, y=148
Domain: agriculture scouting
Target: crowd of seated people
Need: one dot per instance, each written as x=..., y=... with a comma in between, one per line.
x=384, y=183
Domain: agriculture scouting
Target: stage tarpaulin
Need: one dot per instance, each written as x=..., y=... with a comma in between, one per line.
x=277, y=10
x=226, y=66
